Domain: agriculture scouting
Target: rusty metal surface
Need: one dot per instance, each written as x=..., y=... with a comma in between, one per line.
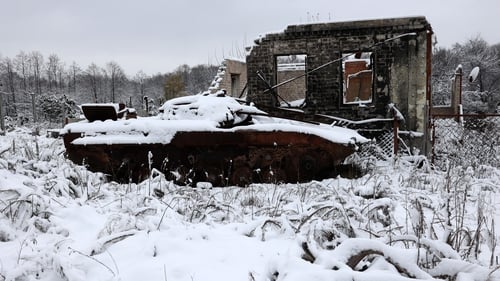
x=99, y=112
x=222, y=158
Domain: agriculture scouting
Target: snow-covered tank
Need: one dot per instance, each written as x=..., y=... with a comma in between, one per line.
x=207, y=138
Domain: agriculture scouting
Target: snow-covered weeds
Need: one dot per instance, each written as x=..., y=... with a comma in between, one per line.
x=59, y=221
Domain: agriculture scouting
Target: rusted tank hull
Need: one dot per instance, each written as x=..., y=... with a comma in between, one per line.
x=222, y=158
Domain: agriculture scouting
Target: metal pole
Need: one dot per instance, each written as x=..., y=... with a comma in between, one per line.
x=396, y=136
x=33, y=106
x=147, y=105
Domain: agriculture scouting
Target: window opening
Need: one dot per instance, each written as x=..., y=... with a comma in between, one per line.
x=357, y=77
x=290, y=66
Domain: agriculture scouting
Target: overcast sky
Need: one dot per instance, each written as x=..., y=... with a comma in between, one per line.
x=159, y=35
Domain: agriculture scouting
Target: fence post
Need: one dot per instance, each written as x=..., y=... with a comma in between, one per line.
x=33, y=106
x=396, y=134
x=433, y=139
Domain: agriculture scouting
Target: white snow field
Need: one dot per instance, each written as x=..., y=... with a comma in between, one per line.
x=401, y=221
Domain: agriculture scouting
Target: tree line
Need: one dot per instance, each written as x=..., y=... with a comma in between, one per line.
x=59, y=86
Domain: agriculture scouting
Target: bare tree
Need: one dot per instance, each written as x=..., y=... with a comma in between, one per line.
x=479, y=96
x=74, y=71
x=174, y=85
x=52, y=67
x=7, y=69
x=116, y=77
x=31, y=72
x=61, y=70
x=200, y=77
x=21, y=63
x=477, y=52
x=444, y=63
x=140, y=79
x=93, y=75
x=36, y=60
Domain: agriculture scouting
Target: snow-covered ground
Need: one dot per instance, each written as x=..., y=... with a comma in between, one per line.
x=59, y=221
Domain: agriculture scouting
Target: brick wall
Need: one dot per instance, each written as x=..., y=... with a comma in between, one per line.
x=234, y=78
x=400, y=59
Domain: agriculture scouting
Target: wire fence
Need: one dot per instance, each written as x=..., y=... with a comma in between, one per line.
x=466, y=140
x=457, y=140
x=381, y=147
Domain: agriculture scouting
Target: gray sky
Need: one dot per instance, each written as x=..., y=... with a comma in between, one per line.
x=159, y=35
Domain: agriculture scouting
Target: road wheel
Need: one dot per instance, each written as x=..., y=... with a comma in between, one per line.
x=307, y=167
x=241, y=176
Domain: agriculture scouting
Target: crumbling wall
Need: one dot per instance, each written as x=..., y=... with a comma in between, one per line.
x=399, y=61
x=232, y=77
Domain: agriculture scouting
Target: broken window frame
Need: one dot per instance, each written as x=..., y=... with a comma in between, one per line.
x=358, y=72
x=284, y=100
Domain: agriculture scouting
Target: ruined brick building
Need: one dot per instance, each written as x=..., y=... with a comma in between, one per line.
x=352, y=70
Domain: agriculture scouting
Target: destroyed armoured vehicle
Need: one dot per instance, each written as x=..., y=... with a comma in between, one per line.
x=207, y=138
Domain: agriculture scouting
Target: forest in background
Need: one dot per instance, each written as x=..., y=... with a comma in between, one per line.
x=480, y=96
x=57, y=86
